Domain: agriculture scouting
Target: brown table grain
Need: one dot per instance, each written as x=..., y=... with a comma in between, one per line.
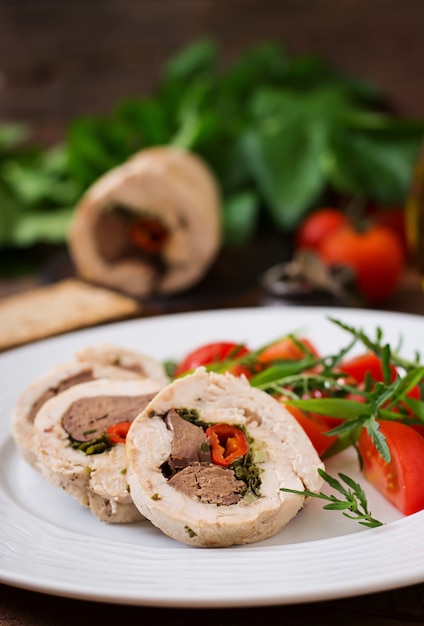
x=396, y=607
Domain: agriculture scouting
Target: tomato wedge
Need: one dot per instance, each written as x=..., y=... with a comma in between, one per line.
x=287, y=349
x=401, y=480
x=209, y=353
x=314, y=427
x=358, y=367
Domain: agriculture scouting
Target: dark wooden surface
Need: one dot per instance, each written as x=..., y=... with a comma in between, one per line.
x=68, y=58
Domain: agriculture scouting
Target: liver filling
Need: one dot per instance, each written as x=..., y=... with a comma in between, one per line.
x=88, y=418
x=82, y=377
x=189, y=467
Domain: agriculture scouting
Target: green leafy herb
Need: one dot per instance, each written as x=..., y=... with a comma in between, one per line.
x=354, y=503
x=280, y=132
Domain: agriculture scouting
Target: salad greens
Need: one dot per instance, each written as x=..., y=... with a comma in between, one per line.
x=281, y=132
x=354, y=505
x=297, y=381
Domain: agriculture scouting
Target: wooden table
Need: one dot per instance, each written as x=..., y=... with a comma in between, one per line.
x=403, y=606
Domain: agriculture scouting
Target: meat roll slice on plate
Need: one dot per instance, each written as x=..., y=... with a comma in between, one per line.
x=92, y=362
x=207, y=458
x=52, y=383
x=130, y=360
x=79, y=439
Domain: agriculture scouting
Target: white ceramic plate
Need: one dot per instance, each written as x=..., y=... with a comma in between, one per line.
x=49, y=543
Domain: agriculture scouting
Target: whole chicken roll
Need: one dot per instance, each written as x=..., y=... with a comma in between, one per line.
x=208, y=456
x=150, y=225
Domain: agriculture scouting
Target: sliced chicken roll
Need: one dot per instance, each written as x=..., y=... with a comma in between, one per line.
x=79, y=441
x=207, y=459
x=54, y=382
x=130, y=360
x=151, y=225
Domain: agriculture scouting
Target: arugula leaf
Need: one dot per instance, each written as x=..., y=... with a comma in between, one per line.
x=354, y=504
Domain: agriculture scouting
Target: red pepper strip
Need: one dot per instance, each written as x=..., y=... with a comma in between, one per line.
x=148, y=234
x=227, y=443
x=117, y=433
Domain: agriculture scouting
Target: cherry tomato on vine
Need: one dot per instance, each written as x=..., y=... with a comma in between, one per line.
x=316, y=226
x=376, y=255
x=214, y=352
x=401, y=480
x=393, y=217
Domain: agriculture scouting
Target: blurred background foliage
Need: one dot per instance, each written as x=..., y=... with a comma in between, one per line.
x=283, y=133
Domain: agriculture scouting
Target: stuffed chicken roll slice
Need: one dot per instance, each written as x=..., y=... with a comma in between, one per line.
x=79, y=442
x=60, y=378
x=207, y=458
x=132, y=361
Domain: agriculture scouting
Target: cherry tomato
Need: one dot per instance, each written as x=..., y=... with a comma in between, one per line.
x=359, y=366
x=394, y=218
x=314, y=427
x=316, y=226
x=209, y=353
x=399, y=481
x=376, y=255
x=287, y=349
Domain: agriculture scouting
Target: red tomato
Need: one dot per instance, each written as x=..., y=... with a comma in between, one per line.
x=399, y=481
x=414, y=393
x=209, y=353
x=316, y=226
x=394, y=218
x=287, y=349
x=359, y=366
x=376, y=255
x=314, y=427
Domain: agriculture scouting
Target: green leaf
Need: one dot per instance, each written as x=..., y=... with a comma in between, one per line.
x=372, y=165
x=288, y=192
x=92, y=149
x=39, y=183
x=195, y=58
x=12, y=136
x=10, y=212
x=311, y=72
x=333, y=407
x=263, y=64
x=47, y=227
x=240, y=216
x=279, y=371
x=287, y=149
x=378, y=438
